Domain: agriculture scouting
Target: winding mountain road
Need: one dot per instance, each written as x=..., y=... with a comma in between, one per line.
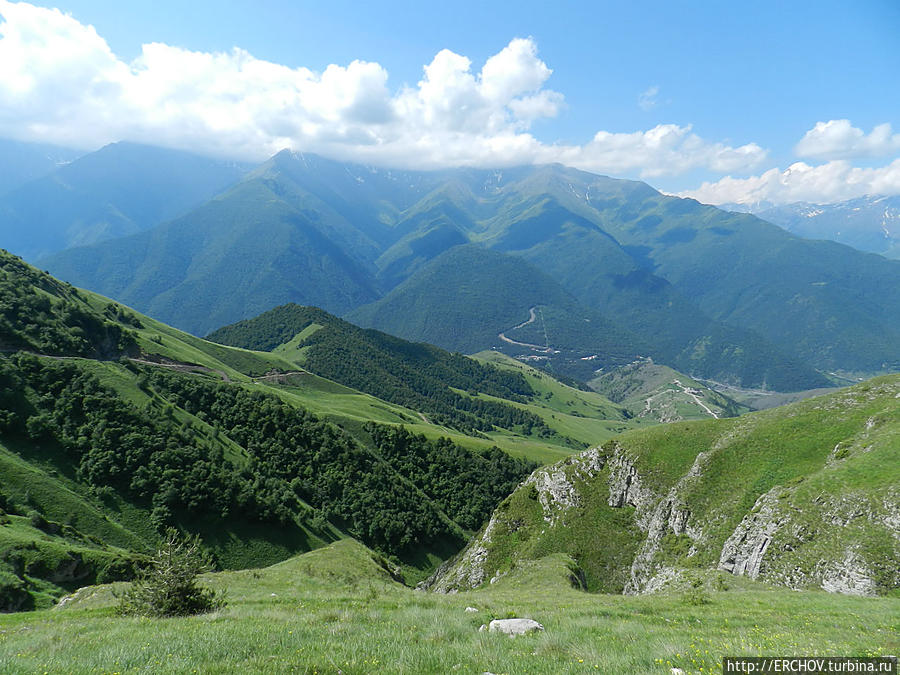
x=532, y=315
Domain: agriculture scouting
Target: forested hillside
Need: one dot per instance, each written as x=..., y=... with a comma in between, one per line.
x=100, y=455
x=493, y=294
x=415, y=375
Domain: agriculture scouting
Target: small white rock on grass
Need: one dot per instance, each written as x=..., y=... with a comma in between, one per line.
x=514, y=626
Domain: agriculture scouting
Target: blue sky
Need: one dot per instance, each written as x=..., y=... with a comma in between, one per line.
x=681, y=93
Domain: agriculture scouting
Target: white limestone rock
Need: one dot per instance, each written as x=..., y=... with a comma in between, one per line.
x=514, y=626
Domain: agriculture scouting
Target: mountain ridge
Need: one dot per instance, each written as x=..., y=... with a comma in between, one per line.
x=669, y=270
x=121, y=189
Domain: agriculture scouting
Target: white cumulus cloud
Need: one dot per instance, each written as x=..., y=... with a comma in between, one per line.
x=839, y=139
x=61, y=83
x=666, y=149
x=826, y=183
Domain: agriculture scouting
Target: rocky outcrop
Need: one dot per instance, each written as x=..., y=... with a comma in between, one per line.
x=625, y=487
x=555, y=488
x=745, y=549
x=849, y=575
x=555, y=484
x=657, y=516
x=513, y=627
x=468, y=569
x=785, y=542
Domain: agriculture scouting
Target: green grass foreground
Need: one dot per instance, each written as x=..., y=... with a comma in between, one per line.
x=335, y=610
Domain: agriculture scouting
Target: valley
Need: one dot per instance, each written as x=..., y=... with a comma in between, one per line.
x=625, y=451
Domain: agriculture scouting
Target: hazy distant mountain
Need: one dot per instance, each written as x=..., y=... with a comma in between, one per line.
x=22, y=162
x=716, y=293
x=121, y=189
x=246, y=251
x=868, y=223
x=470, y=299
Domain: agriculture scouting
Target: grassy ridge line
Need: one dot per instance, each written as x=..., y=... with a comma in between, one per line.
x=337, y=609
x=418, y=376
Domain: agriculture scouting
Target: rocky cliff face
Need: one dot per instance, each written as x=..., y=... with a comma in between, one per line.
x=555, y=491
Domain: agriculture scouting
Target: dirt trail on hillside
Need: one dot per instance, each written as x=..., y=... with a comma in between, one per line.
x=280, y=378
x=694, y=396
x=183, y=367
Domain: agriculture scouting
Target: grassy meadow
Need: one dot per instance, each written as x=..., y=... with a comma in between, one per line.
x=336, y=610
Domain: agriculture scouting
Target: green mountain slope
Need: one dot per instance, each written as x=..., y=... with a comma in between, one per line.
x=832, y=305
x=418, y=376
x=236, y=256
x=718, y=295
x=522, y=410
x=802, y=496
x=118, y=190
x=101, y=453
x=468, y=296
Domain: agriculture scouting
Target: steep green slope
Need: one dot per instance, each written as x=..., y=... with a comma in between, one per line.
x=618, y=280
x=129, y=446
x=118, y=190
x=832, y=305
x=802, y=496
x=470, y=298
x=239, y=254
x=467, y=297
x=44, y=315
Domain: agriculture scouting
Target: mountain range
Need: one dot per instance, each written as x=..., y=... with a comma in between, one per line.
x=870, y=223
x=22, y=162
x=720, y=295
x=119, y=190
